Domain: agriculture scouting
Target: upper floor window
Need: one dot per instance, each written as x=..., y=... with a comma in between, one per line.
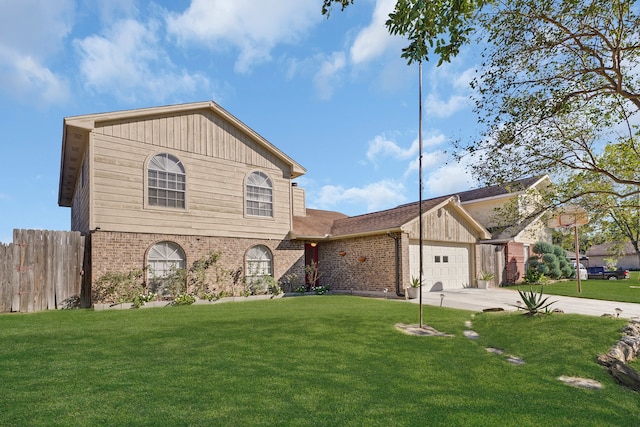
x=166, y=181
x=259, y=195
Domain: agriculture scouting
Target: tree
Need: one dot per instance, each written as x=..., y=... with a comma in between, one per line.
x=443, y=26
x=616, y=218
x=559, y=83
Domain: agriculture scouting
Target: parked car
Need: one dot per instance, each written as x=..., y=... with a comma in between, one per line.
x=582, y=271
x=605, y=274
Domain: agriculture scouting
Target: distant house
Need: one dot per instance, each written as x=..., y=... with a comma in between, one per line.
x=628, y=258
x=162, y=187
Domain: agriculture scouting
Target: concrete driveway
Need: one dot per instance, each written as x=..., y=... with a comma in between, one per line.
x=480, y=299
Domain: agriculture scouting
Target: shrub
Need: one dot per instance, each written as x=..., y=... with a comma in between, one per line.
x=184, y=299
x=543, y=248
x=118, y=287
x=534, y=303
x=551, y=261
x=559, y=252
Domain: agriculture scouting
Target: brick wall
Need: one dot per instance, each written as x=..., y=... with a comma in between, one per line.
x=348, y=273
x=114, y=251
x=514, y=262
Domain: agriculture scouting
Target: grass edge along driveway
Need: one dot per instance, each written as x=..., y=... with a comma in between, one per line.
x=308, y=361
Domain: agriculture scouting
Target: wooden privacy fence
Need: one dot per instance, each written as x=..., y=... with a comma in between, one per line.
x=41, y=270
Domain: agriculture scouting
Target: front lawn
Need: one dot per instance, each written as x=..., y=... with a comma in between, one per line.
x=305, y=361
x=627, y=290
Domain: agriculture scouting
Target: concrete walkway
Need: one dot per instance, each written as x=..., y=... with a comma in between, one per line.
x=480, y=299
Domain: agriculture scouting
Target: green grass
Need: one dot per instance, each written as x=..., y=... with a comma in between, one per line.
x=627, y=290
x=307, y=361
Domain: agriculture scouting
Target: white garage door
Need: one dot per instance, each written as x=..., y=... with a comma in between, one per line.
x=444, y=266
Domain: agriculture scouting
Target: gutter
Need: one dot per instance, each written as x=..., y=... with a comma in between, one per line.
x=397, y=257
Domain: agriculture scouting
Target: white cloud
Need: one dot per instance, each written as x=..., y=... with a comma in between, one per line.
x=380, y=146
x=462, y=81
x=437, y=107
x=430, y=162
x=449, y=178
x=129, y=61
x=252, y=27
x=32, y=32
x=376, y=196
x=327, y=79
x=374, y=40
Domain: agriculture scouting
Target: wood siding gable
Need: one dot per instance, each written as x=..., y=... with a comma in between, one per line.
x=217, y=151
x=447, y=223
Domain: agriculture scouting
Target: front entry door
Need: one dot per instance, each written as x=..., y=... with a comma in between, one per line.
x=311, y=265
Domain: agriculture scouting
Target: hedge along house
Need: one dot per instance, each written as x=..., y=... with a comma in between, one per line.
x=380, y=250
x=165, y=186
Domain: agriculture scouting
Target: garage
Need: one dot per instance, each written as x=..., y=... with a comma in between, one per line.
x=445, y=266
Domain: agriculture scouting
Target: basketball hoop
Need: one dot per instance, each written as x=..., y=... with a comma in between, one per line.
x=566, y=218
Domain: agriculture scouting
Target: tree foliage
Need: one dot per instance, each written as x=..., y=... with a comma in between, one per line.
x=558, y=84
x=438, y=26
x=616, y=218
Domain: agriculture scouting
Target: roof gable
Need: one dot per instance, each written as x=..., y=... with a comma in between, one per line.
x=76, y=132
x=333, y=225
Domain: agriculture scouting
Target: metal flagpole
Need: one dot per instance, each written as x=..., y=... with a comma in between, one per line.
x=420, y=181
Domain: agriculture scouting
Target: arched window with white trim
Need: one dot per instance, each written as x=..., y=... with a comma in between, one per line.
x=166, y=182
x=259, y=263
x=163, y=261
x=259, y=195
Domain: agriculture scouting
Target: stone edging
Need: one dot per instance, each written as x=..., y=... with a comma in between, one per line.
x=153, y=304
x=625, y=350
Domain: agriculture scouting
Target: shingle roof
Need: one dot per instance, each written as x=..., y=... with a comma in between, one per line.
x=383, y=220
x=498, y=190
x=605, y=249
x=317, y=223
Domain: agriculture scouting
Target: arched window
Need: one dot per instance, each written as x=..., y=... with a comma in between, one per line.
x=166, y=181
x=164, y=259
x=259, y=262
x=259, y=195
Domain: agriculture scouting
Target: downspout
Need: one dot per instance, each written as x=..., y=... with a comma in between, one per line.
x=397, y=251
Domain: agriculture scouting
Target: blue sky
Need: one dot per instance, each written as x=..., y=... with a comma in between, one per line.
x=333, y=93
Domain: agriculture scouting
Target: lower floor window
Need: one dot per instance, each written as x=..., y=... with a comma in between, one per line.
x=259, y=263
x=165, y=260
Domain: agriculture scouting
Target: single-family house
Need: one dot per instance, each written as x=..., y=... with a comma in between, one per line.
x=624, y=254
x=511, y=213
x=159, y=188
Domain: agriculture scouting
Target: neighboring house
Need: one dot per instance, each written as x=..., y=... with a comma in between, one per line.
x=627, y=259
x=165, y=186
x=514, y=241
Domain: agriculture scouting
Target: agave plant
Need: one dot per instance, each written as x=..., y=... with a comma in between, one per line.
x=534, y=302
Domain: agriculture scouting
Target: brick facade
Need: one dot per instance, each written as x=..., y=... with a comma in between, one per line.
x=122, y=252
x=349, y=272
